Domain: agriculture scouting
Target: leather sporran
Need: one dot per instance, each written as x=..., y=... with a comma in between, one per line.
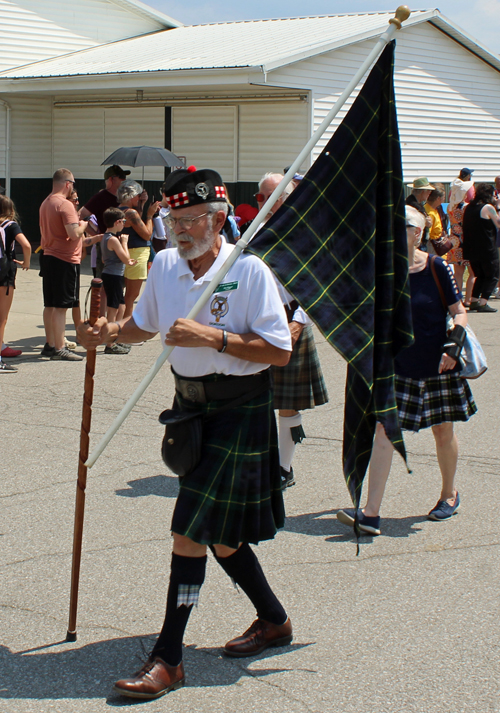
x=181, y=447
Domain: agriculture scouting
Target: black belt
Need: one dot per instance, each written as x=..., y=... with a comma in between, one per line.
x=231, y=387
x=290, y=309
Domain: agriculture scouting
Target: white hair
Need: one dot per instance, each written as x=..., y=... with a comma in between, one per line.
x=278, y=177
x=215, y=206
x=416, y=218
x=127, y=190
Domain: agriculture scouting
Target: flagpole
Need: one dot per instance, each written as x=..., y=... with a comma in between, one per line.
x=402, y=14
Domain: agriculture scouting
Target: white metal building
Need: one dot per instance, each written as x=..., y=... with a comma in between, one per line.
x=244, y=97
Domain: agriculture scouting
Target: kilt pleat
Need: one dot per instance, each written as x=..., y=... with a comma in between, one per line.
x=234, y=494
x=434, y=400
x=300, y=384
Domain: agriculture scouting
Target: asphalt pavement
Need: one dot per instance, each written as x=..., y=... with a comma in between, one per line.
x=411, y=624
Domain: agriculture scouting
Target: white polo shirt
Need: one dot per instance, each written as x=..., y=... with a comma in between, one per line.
x=247, y=300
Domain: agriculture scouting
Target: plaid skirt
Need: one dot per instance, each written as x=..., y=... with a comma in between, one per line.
x=429, y=402
x=300, y=385
x=234, y=494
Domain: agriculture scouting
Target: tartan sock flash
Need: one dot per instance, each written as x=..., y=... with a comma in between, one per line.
x=187, y=574
x=244, y=568
x=287, y=440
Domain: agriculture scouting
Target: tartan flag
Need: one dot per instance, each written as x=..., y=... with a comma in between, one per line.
x=338, y=245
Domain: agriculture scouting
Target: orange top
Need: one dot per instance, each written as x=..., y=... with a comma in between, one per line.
x=55, y=213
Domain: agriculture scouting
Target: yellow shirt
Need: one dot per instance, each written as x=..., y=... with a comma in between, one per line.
x=436, y=230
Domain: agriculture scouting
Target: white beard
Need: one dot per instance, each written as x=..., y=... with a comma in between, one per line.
x=197, y=250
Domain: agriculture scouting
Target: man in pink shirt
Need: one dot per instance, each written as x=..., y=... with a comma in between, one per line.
x=62, y=234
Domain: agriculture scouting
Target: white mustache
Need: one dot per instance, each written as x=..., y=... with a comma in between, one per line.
x=182, y=237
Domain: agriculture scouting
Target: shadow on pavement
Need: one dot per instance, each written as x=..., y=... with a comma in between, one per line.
x=164, y=486
x=90, y=671
x=325, y=524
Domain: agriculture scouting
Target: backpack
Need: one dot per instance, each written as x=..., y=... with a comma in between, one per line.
x=5, y=259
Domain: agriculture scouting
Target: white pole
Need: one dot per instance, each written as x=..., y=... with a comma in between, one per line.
x=402, y=13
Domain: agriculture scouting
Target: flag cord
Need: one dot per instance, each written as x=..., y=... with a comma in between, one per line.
x=402, y=13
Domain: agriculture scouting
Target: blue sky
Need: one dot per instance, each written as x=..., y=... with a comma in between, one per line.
x=480, y=18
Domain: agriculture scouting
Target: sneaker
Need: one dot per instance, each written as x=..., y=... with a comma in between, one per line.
x=117, y=349
x=65, y=355
x=68, y=344
x=9, y=353
x=473, y=305
x=485, y=308
x=48, y=351
x=7, y=368
x=371, y=525
x=287, y=478
x=443, y=510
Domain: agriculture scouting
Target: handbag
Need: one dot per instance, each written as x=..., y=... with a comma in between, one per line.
x=442, y=245
x=472, y=358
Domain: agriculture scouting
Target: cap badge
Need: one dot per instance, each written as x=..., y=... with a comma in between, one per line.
x=201, y=190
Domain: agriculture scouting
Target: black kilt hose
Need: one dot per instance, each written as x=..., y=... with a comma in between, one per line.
x=300, y=385
x=234, y=495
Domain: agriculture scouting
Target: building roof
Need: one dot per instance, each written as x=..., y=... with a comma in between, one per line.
x=265, y=44
x=33, y=31
x=147, y=11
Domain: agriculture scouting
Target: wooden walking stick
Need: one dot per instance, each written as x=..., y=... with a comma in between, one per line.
x=88, y=393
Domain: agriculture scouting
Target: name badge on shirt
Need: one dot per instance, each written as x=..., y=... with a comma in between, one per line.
x=227, y=286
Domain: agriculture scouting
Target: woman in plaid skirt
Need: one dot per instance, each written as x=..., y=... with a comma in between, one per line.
x=429, y=390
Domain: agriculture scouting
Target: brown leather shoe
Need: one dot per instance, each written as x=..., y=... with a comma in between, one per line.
x=261, y=635
x=153, y=680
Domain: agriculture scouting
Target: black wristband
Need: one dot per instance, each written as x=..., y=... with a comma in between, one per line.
x=224, y=342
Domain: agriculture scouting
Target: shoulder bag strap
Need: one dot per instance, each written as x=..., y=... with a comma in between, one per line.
x=438, y=282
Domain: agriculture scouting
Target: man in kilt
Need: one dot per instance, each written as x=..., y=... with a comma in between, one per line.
x=233, y=496
x=299, y=385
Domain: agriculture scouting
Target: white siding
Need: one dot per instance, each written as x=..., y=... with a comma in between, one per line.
x=448, y=101
x=84, y=137
x=31, y=136
x=33, y=30
x=207, y=137
x=135, y=126
x=271, y=136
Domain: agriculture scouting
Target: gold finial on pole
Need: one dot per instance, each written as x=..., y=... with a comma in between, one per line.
x=402, y=13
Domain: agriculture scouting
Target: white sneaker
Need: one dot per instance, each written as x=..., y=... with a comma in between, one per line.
x=68, y=344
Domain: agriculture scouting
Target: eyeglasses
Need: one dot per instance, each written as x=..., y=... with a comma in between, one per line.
x=185, y=223
x=409, y=225
x=261, y=197
x=70, y=181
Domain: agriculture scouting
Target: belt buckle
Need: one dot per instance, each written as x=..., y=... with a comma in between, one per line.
x=193, y=391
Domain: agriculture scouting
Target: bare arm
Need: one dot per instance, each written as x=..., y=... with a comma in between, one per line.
x=488, y=211
x=104, y=332
x=75, y=231
x=250, y=347
x=92, y=240
x=26, y=248
x=120, y=247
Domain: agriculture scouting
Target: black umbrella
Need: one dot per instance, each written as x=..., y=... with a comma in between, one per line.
x=143, y=156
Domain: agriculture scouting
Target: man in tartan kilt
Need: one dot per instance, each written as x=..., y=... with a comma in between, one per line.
x=233, y=495
x=300, y=384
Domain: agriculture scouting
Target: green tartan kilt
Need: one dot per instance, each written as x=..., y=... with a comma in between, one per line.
x=300, y=385
x=234, y=494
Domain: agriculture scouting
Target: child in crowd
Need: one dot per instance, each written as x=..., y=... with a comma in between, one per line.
x=115, y=255
x=10, y=233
